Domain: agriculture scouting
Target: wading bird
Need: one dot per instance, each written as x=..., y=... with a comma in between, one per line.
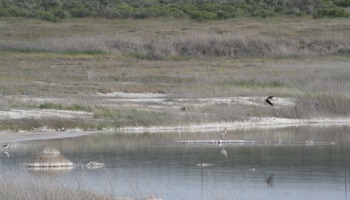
x=223, y=134
x=6, y=145
x=268, y=100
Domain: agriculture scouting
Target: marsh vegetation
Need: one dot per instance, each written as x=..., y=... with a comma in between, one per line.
x=166, y=63
x=155, y=72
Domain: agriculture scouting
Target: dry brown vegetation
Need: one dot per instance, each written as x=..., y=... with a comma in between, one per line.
x=64, y=65
x=159, y=39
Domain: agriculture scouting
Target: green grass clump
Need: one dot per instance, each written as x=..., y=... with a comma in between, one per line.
x=51, y=106
x=74, y=107
x=132, y=117
x=252, y=83
x=103, y=117
x=322, y=105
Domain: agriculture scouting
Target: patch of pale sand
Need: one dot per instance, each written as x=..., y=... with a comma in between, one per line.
x=131, y=95
x=250, y=101
x=43, y=100
x=254, y=122
x=42, y=113
x=121, y=97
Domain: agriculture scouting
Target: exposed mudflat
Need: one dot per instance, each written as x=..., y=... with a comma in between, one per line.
x=153, y=101
x=136, y=100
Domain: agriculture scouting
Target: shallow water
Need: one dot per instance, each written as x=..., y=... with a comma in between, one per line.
x=141, y=165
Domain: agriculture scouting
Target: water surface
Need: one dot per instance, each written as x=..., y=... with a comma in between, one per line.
x=278, y=165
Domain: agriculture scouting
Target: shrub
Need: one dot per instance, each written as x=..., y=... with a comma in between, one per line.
x=11, y=11
x=80, y=11
x=330, y=9
x=121, y=10
x=330, y=12
x=47, y=16
x=342, y=3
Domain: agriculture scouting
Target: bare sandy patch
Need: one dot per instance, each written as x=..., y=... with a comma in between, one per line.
x=131, y=95
x=42, y=113
x=166, y=101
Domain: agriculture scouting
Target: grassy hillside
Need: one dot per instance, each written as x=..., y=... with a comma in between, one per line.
x=55, y=10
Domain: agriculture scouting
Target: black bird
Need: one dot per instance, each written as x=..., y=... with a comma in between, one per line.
x=268, y=180
x=268, y=100
x=6, y=145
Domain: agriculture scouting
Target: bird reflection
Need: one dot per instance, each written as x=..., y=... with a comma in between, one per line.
x=269, y=180
x=7, y=154
x=223, y=152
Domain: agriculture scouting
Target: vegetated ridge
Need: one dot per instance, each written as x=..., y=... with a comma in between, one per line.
x=54, y=10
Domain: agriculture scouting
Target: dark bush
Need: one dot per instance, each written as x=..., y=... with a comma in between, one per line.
x=330, y=12
x=11, y=11
x=47, y=16
x=342, y=3
x=80, y=11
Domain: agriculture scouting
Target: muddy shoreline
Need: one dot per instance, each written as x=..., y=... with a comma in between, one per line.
x=45, y=135
x=257, y=123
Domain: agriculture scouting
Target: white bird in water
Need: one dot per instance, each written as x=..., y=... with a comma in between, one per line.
x=6, y=145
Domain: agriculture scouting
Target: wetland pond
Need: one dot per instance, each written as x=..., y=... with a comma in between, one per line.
x=304, y=162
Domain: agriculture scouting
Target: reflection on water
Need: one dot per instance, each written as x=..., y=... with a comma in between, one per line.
x=48, y=172
x=151, y=164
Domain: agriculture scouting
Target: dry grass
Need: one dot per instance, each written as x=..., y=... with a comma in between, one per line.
x=157, y=39
x=299, y=58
